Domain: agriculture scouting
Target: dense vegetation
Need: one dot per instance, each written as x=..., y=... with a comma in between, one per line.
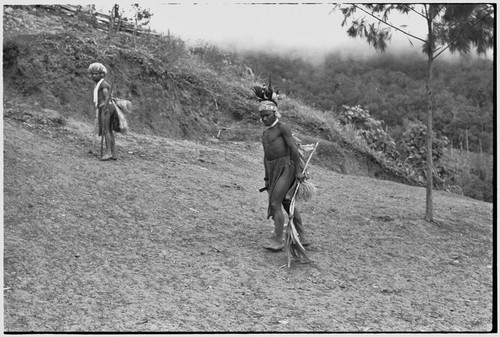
x=392, y=89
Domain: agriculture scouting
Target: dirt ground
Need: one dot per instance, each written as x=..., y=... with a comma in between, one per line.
x=167, y=239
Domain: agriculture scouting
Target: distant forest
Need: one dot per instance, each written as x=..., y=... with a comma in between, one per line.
x=392, y=89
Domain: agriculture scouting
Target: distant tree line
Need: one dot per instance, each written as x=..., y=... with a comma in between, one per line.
x=392, y=89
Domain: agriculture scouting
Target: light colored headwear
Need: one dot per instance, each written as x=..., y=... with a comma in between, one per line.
x=268, y=105
x=97, y=68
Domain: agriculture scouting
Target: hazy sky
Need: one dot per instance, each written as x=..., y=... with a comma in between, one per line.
x=312, y=28
x=307, y=29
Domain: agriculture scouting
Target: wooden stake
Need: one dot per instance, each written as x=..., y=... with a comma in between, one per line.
x=291, y=231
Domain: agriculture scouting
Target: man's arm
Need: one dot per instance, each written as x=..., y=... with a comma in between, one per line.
x=106, y=91
x=266, y=178
x=286, y=132
x=266, y=175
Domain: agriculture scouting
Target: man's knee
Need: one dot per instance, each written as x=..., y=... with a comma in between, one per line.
x=111, y=109
x=275, y=206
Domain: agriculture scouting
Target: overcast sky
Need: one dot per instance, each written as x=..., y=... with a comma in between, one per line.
x=310, y=27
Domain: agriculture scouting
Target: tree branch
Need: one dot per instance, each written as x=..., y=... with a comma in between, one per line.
x=458, y=37
x=389, y=24
x=413, y=9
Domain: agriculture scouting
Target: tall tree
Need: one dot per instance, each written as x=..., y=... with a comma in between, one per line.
x=457, y=28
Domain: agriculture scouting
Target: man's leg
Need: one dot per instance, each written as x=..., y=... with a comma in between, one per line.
x=113, y=120
x=108, y=133
x=276, y=199
x=113, y=148
x=94, y=134
x=297, y=221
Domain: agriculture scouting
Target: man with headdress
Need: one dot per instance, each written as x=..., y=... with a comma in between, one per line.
x=282, y=163
x=105, y=109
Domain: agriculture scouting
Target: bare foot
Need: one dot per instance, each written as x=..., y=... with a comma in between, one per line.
x=274, y=246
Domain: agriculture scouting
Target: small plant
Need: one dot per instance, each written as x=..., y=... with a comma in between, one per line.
x=351, y=132
x=372, y=130
x=413, y=151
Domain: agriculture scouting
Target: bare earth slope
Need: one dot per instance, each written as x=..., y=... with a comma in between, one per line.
x=167, y=238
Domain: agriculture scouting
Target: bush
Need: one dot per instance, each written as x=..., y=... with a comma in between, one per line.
x=472, y=172
x=413, y=151
x=371, y=129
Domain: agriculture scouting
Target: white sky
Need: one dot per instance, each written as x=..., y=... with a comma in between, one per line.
x=304, y=26
x=308, y=27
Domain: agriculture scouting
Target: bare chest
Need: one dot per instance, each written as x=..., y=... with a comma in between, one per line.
x=274, y=144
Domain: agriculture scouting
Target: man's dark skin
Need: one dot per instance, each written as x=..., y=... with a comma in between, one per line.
x=279, y=142
x=107, y=110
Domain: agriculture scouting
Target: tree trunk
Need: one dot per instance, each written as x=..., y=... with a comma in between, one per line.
x=428, y=198
x=467, y=140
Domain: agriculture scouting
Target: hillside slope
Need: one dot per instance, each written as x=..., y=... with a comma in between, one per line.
x=168, y=238
x=175, y=94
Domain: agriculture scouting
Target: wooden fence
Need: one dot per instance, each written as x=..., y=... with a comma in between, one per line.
x=102, y=20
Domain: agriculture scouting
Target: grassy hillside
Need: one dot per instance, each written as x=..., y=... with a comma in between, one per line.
x=176, y=93
x=168, y=238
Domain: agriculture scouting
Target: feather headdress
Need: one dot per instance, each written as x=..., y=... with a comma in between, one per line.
x=268, y=93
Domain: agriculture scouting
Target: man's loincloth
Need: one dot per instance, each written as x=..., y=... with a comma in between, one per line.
x=118, y=122
x=274, y=169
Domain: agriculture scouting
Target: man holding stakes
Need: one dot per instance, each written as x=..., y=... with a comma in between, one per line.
x=282, y=163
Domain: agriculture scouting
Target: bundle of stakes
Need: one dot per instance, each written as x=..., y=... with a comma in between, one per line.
x=293, y=247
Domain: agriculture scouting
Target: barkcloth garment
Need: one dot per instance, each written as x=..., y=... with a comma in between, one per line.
x=274, y=169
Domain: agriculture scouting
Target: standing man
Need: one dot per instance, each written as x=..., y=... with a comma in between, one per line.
x=105, y=109
x=282, y=163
